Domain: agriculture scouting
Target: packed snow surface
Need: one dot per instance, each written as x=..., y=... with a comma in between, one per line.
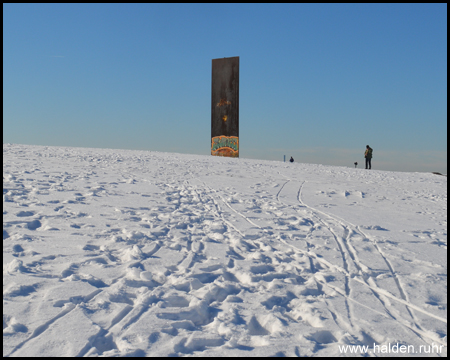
x=116, y=252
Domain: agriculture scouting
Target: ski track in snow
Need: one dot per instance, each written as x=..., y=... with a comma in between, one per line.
x=133, y=253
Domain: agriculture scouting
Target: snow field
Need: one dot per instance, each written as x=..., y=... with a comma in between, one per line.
x=115, y=252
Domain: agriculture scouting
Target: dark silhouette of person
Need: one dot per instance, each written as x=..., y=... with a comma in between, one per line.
x=291, y=159
x=368, y=157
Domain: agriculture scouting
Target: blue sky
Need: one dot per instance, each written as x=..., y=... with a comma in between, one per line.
x=317, y=81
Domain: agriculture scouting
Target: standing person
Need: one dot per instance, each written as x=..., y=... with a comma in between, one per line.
x=368, y=156
x=291, y=159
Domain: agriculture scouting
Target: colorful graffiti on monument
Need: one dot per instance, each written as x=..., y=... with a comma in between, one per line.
x=225, y=146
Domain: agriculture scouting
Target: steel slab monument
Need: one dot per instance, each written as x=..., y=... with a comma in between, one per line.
x=225, y=107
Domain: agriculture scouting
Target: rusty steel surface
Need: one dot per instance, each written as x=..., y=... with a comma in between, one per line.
x=225, y=107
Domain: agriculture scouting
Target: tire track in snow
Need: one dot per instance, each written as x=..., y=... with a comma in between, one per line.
x=374, y=288
x=394, y=274
x=40, y=329
x=278, y=194
x=343, y=255
x=308, y=248
x=361, y=268
x=402, y=322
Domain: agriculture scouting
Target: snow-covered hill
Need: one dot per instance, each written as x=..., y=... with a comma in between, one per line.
x=115, y=252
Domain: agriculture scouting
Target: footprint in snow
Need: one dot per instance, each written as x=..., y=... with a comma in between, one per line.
x=24, y=213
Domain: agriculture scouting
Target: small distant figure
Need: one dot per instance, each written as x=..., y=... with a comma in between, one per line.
x=368, y=156
x=291, y=159
x=356, y=164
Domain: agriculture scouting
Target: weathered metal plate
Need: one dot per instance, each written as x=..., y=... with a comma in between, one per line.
x=225, y=107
